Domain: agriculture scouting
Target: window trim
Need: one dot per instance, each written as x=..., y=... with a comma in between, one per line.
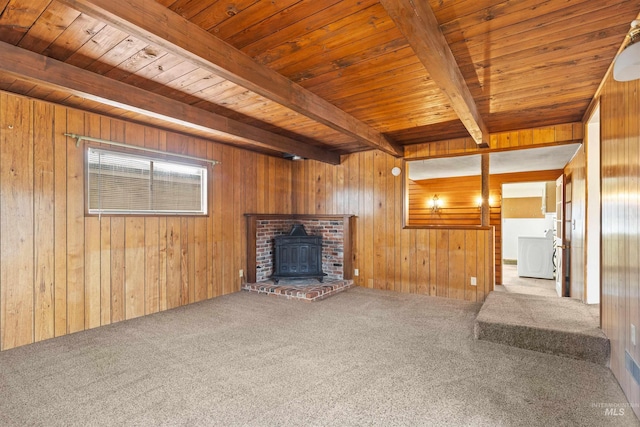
x=156, y=156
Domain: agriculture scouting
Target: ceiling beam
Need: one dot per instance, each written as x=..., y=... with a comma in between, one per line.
x=149, y=20
x=418, y=23
x=39, y=69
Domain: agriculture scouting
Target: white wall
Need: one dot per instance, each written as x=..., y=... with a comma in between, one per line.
x=512, y=228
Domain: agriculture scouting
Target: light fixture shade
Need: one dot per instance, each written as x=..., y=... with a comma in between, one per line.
x=627, y=65
x=396, y=171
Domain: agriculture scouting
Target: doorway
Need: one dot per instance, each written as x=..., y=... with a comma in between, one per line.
x=528, y=227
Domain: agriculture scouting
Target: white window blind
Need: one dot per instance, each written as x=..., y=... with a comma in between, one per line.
x=122, y=183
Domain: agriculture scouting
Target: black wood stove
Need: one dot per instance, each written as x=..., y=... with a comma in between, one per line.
x=298, y=255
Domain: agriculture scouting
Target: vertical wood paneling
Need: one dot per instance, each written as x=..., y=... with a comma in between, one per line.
x=105, y=248
x=464, y=212
x=437, y=262
x=44, y=261
x=379, y=222
x=62, y=271
x=16, y=222
x=200, y=224
x=457, y=249
x=117, y=259
x=471, y=265
x=227, y=215
x=75, y=225
x=151, y=244
x=134, y=282
x=59, y=220
x=92, y=253
x=217, y=222
x=620, y=165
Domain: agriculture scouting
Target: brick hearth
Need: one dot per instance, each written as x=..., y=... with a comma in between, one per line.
x=302, y=290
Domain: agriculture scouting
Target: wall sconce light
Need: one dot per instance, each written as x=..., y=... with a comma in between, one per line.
x=435, y=204
x=479, y=201
x=396, y=171
x=627, y=64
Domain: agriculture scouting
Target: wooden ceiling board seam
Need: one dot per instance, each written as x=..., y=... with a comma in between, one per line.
x=187, y=8
x=158, y=66
x=508, y=52
x=335, y=68
x=99, y=44
x=278, y=22
x=447, y=10
x=79, y=32
x=530, y=12
x=366, y=69
x=363, y=49
x=549, y=83
x=396, y=79
x=48, y=27
x=249, y=17
x=539, y=76
x=219, y=12
x=3, y=6
x=20, y=86
x=142, y=59
x=530, y=29
x=344, y=31
x=497, y=16
x=175, y=72
x=18, y=16
x=116, y=55
x=553, y=54
x=307, y=25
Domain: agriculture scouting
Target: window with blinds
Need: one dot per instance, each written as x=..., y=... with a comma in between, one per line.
x=122, y=183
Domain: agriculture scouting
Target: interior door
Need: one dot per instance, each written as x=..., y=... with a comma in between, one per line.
x=560, y=247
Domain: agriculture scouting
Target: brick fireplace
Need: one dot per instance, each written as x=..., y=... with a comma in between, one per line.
x=336, y=232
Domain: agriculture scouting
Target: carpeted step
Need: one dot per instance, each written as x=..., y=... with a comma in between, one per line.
x=559, y=326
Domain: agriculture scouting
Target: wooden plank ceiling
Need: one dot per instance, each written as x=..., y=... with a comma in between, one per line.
x=316, y=78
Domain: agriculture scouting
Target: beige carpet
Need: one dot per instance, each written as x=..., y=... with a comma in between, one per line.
x=560, y=326
x=362, y=357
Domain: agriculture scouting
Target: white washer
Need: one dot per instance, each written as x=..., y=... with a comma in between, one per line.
x=535, y=257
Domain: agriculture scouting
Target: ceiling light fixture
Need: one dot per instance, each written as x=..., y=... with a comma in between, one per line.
x=627, y=65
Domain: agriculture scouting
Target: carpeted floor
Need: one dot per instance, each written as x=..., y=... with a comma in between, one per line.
x=362, y=357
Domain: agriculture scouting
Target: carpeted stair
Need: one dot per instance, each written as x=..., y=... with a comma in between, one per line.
x=559, y=326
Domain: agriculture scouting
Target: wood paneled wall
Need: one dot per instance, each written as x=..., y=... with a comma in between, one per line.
x=459, y=197
x=620, y=170
x=526, y=138
x=464, y=212
x=62, y=271
x=437, y=262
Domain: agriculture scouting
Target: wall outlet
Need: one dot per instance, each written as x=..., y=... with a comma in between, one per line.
x=241, y=273
x=633, y=334
x=356, y=272
x=473, y=281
